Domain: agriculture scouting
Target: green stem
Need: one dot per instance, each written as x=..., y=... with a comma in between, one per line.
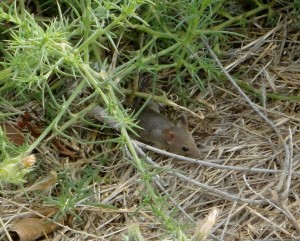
x=86, y=7
x=128, y=67
x=86, y=72
x=152, y=32
x=230, y=21
x=64, y=108
x=109, y=99
x=4, y=73
x=176, y=37
x=76, y=116
x=274, y=96
x=100, y=32
x=156, y=98
x=22, y=9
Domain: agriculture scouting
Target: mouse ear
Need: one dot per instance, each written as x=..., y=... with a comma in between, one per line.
x=169, y=136
x=183, y=122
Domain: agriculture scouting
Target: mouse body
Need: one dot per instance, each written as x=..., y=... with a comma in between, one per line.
x=158, y=130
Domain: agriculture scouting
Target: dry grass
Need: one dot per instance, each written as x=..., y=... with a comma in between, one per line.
x=257, y=205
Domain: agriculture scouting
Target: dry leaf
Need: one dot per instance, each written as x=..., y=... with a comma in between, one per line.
x=29, y=229
x=13, y=133
x=44, y=184
x=31, y=226
x=205, y=226
x=62, y=149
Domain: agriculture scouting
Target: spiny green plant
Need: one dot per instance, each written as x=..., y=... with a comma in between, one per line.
x=14, y=162
x=81, y=47
x=73, y=192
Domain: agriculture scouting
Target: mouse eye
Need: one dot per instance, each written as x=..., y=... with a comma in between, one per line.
x=185, y=148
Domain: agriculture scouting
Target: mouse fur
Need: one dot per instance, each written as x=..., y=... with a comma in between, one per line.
x=158, y=130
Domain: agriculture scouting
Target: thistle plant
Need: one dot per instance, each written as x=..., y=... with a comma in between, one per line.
x=15, y=163
x=13, y=170
x=76, y=57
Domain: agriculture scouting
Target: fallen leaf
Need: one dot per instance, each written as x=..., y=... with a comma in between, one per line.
x=62, y=149
x=31, y=226
x=44, y=184
x=29, y=229
x=13, y=133
x=205, y=226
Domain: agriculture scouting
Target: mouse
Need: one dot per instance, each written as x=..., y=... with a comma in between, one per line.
x=158, y=130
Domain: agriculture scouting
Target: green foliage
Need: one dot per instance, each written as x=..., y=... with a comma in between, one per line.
x=12, y=170
x=68, y=55
x=73, y=192
x=35, y=53
x=14, y=162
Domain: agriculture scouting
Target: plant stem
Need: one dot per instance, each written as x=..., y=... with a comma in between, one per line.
x=230, y=21
x=64, y=108
x=128, y=67
x=100, y=32
x=274, y=96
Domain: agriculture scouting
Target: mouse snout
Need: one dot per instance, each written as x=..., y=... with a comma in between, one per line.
x=195, y=154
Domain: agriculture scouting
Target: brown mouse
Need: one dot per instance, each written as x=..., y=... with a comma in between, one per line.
x=158, y=130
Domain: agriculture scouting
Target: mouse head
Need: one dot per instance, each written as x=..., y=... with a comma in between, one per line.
x=180, y=140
